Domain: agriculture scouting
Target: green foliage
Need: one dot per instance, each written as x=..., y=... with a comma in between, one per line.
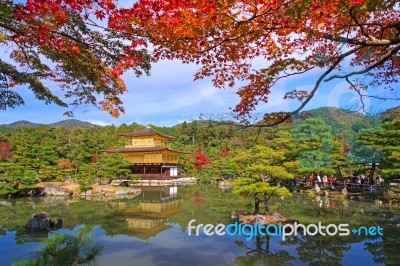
x=108, y=166
x=386, y=142
x=321, y=171
x=14, y=177
x=339, y=120
x=247, y=186
x=86, y=176
x=113, y=165
x=64, y=249
x=324, y=140
x=264, y=169
x=36, y=157
x=316, y=140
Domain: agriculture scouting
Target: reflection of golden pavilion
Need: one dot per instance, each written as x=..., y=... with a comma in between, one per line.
x=156, y=205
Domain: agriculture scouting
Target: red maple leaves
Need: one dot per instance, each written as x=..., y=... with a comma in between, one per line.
x=5, y=150
x=201, y=159
x=226, y=38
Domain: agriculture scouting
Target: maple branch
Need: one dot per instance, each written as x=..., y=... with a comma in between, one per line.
x=358, y=23
x=292, y=74
x=9, y=28
x=63, y=34
x=265, y=12
x=353, y=86
x=372, y=42
x=365, y=70
x=359, y=94
x=395, y=25
x=313, y=91
x=238, y=37
x=258, y=134
x=23, y=51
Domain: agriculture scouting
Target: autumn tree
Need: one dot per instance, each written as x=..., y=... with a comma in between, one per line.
x=356, y=41
x=5, y=150
x=66, y=42
x=200, y=159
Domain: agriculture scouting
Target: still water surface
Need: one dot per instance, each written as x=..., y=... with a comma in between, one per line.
x=151, y=229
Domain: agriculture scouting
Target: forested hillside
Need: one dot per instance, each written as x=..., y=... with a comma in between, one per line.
x=324, y=140
x=68, y=123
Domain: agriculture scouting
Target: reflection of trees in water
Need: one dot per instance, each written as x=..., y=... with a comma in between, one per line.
x=323, y=250
x=320, y=250
x=260, y=254
x=3, y=231
x=74, y=212
x=66, y=250
x=386, y=249
x=22, y=236
x=314, y=250
x=311, y=249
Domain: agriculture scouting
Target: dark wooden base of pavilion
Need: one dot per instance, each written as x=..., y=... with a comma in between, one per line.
x=155, y=171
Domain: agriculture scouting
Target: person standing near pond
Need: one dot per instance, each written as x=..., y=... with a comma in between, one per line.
x=325, y=180
x=362, y=180
x=372, y=184
x=312, y=181
x=319, y=179
x=295, y=181
x=330, y=182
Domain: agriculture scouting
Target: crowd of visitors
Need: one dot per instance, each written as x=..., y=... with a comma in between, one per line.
x=365, y=182
x=362, y=181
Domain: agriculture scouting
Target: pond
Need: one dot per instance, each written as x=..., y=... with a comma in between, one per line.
x=151, y=229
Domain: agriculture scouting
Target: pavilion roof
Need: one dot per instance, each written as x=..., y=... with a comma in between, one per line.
x=146, y=132
x=141, y=149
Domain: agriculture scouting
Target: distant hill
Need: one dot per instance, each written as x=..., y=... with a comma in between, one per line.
x=338, y=119
x=71, y=123
x=68, y=123
x=391, y=114
x=21, y=123
x=341, y=116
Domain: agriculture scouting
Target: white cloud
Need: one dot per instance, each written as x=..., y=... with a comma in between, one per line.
x=97, y=122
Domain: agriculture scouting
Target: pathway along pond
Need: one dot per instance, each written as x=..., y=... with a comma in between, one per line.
x=151, y=229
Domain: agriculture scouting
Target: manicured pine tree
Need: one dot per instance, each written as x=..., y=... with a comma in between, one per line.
x=264, y=173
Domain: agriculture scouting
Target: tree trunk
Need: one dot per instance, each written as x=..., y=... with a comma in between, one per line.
x=37, y=176
x=266, y=204
x=262, y=177
x=373, y=168
x=340, y=172
x=258, y=244
x=256, y=205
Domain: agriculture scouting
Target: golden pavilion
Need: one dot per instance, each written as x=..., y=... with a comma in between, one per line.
x=150, y=155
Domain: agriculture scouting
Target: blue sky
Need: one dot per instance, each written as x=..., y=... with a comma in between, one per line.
x=169, y=96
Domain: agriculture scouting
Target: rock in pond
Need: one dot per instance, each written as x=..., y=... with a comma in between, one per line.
x=264, y=219
x=42, y=221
